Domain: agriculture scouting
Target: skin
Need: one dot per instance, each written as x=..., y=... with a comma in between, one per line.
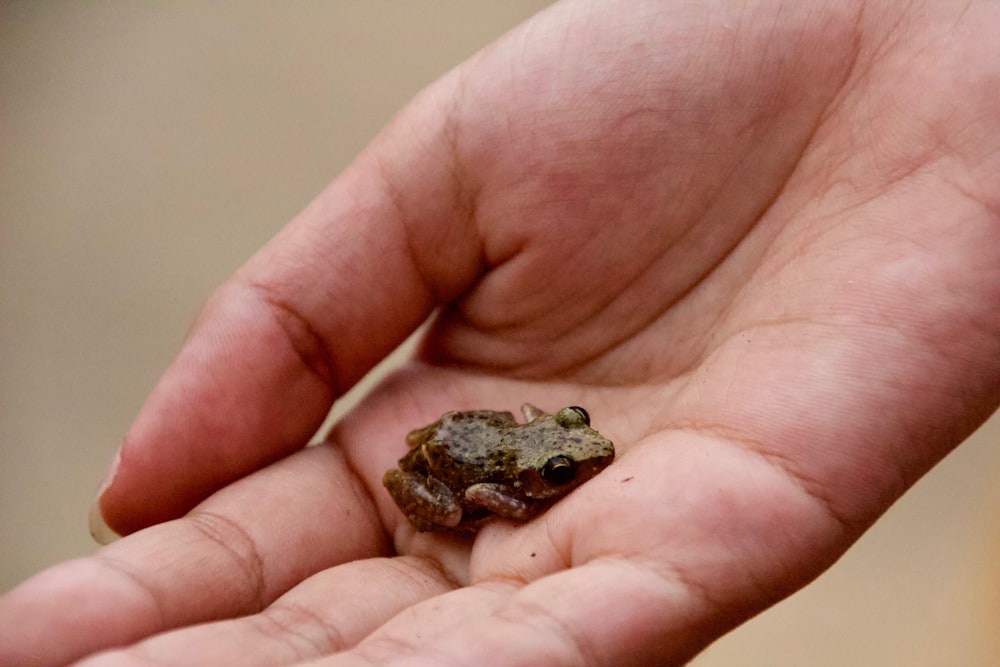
x=763, y=239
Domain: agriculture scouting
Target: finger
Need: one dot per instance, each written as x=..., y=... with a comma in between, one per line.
x=341, y=286
x=327, y=613
x=232, y=556
x=607, y=612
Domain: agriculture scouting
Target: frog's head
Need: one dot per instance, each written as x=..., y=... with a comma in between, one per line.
x=571, y=454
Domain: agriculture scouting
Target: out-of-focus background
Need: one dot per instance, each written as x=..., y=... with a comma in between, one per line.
x=147, y=149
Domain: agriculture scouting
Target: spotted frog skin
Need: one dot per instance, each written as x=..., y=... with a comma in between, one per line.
x=469, y=466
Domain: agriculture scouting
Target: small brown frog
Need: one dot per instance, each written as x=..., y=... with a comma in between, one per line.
x=469, y=466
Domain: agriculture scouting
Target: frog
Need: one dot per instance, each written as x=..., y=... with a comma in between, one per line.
x=472, y=466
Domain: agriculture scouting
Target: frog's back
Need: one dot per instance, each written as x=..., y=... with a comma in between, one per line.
x=470, y=447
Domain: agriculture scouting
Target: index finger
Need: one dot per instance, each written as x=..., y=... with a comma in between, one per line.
x=301, y=322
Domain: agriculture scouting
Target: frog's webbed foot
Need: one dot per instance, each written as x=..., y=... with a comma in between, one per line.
x=497, y=499
x=427, y=503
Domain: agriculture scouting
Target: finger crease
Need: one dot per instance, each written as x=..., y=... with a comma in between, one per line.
x=125, y=570
x=531, y=614
x=308, y=344
x=303, y=631
x=240, y=547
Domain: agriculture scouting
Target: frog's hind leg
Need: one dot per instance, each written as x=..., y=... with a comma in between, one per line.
x=497, y=499
x=426, y=502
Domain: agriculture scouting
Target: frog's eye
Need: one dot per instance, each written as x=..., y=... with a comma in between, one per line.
x=572, y=417
x=559, y=470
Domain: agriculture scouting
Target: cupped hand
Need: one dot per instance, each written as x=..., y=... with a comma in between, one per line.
x=760, y=245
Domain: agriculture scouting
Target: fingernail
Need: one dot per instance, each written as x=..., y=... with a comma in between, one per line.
x=99, y=529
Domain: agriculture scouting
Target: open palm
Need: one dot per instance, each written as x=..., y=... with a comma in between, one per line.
x=761, y=247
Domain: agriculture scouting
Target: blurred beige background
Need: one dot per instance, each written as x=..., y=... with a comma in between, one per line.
x=147, y=149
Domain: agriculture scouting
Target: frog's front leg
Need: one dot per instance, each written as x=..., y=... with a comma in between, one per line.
x=427, y=502
x=497, y=498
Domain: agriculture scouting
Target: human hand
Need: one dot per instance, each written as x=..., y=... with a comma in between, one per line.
x=760, y=246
